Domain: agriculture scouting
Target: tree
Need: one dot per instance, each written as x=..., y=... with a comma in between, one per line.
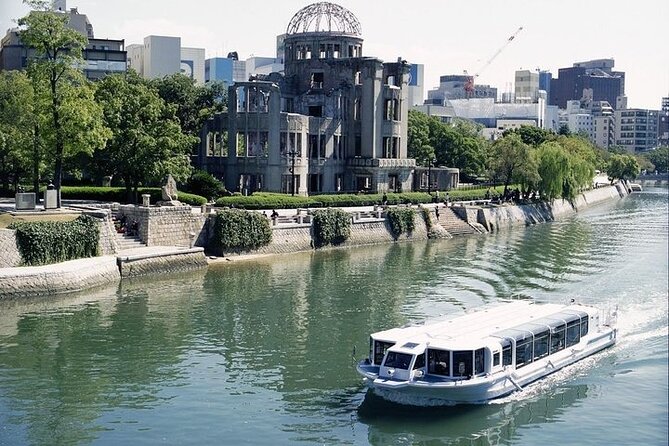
x=509, y=156
x=660, y=158
x=70, y=119
x=623, y=167
x=418, y=134
x=193, y=103
x=533, y=136
x=147, y=142
x=17, y=128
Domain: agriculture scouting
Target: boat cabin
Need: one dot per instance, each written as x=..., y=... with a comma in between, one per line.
x=452, y=350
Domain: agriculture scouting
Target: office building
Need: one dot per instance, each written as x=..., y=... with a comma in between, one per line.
x=637, y=129
x=160, y=56
x=526, y=86
x=597, y=75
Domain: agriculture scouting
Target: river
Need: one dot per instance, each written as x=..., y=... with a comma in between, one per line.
x=260, y=352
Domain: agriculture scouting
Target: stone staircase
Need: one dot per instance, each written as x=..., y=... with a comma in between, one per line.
x=125, y=241
x=455, y=226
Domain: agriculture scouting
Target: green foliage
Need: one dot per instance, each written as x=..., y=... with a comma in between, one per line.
x=205, y=184
x=236, y=230
x=454, y=145
x=193, y=104
x=553, y=169
x=401, y=220
x=660, y=158
x=17, y=128
x=265, y=200
x=68, y=117
x=118, y=194
x=623, y=167
x=46, y=242
x=532, y=136
x=510, y=160
x=331, y=226
x=426, y=218
x=147, y=143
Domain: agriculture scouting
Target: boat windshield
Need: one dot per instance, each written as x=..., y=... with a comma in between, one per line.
x=398, y=360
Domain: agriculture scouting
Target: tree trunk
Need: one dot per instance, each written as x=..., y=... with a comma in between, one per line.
x=128, y=189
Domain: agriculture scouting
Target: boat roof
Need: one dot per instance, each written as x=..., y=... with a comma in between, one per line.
x=490, y=324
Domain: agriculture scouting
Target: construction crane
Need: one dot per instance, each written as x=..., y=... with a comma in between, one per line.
x=469, y=84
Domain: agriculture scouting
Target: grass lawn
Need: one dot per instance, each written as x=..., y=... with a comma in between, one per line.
x=6, y=219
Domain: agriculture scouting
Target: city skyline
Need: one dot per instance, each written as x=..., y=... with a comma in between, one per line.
x=446, y=38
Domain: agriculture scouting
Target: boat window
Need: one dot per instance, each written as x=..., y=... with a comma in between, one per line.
x=523, y=353
x=410, y=345
x=462, y=363
x=438, y=362
x=398, y=360
x=573, y=333
x=420, y=362
x=479, y=364
x=541, y=345
x=495, y=359
x=507, y=359
x=380, y=349
x=557, y=340
x=584, y=326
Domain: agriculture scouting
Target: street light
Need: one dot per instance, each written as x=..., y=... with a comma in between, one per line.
x=292, y=153
x=429, y=174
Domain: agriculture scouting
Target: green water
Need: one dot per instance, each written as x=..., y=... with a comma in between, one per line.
x=261, y=352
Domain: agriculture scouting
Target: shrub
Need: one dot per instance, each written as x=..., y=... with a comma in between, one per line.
x=331, y=226
x=205, y=184
x=401, y=220
x=46, y=242
x=236, y=230
x=427, y=218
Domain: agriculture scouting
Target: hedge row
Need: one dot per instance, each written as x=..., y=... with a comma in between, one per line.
x=46, y=242
x=262, y=200
x=119, y=194
x=236, y=230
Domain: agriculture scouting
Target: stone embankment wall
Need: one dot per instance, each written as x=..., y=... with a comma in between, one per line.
x=495, y=218
x=65, y=277
x=167, y=225
x=166, y=263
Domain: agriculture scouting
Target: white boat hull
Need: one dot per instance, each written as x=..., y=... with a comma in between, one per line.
x=484, y=388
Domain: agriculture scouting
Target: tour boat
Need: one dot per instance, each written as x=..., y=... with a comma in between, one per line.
x=485, y=354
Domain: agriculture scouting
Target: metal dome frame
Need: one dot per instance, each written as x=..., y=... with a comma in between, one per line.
x=334, y=18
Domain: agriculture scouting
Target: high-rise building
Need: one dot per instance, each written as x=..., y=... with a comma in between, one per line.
x=526, y=86
x=225, y=69
x=597, y=75
x=663, y=124
x=101, y=56
x=637, y=129
x=161, y=56
x=416, y=84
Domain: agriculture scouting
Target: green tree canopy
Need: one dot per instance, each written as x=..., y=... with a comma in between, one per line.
x=17, y=128
x=69, y=118
x=147, y=142
x=660, y=158
x=509, y=159
x=531, y=135
x=193, y=103
x=623, y=167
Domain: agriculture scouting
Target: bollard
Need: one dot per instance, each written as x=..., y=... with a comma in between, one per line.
x=146, y=200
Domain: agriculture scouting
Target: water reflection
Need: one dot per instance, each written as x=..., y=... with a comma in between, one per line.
x=489, y=424
x=271, y=340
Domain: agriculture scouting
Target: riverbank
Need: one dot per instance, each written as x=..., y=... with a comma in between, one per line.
x=369, y=227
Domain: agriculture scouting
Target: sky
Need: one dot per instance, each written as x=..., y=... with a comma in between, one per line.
x=448, y=37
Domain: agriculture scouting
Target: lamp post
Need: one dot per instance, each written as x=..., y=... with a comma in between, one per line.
x=292, y=153
x=429, y=174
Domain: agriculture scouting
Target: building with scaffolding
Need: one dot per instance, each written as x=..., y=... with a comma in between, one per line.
x=333, y=121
